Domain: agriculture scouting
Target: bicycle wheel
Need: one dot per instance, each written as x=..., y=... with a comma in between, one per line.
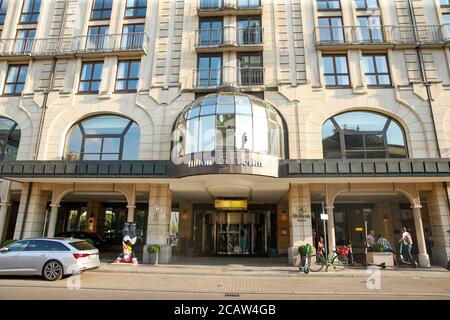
x=315, y=263
x=340, y=263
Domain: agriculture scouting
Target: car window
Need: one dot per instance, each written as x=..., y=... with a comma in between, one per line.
x=19, y=245
x=38, y=245
x=57, y=246
x=81, y=245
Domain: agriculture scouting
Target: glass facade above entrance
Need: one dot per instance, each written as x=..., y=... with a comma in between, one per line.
x=224, y=122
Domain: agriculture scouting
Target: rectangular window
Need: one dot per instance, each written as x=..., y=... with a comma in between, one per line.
x=101, y=10
x=97, y=38
x=132, y=36
x=331, y=30
x=3, y=9
x=250, y=69
x=249, y=30
x=15, y=79
x=209, y=72
x=336, y=71
x=30, y=11
x=127, y=75
x=91, y=76
x=444, y=3
x=446, y=18
x=210, y=32
x=370, y=29
x=248, y=4
x=136, y=8
x=24, y=40
x=366, y=4
x=376, y=70
x=328, y=5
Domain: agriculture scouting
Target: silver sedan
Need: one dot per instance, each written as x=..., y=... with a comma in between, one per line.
x=52, y=258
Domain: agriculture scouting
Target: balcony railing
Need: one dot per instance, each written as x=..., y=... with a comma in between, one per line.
x=113, y=42
x=214, y=5
x=212, y=78
x=253, y=76
x=126, y=42
x=378, y=35
x=228, y=36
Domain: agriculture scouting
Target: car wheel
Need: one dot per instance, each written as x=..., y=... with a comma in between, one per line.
x=53, y=270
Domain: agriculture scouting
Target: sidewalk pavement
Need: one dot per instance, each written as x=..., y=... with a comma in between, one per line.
x=257, y=267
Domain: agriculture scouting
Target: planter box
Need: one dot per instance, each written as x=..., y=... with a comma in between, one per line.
x=381, y=257
x=165, y=254
x=153, y=257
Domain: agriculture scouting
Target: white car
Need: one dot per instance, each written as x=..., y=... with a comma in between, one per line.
x=52, y=258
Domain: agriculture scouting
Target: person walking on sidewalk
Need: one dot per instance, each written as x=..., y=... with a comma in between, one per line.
x=406, y=243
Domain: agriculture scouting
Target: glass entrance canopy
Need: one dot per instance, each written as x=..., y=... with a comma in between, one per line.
x=228, y=121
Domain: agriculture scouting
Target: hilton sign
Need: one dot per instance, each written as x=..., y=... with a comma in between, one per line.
x=238, y=162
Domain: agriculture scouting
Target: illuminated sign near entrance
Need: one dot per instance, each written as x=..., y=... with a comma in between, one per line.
x=231, y=204
x=224, y=161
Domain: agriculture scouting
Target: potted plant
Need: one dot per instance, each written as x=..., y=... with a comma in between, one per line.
x=305, y=251
x=153, y=251
x=377, y=248
x=378, y=256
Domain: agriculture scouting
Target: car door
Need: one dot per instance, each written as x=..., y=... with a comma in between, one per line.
x=10, y=260
x=33, y=258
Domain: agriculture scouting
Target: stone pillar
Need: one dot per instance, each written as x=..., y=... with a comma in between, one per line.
x=53, y=218
x=159, y=209
x=300, y=219
x=424, y=260
x=440, y=223
x=4, y=205
x=330, y=230
x=31, y=217
x=3, y=213
x=130, y=213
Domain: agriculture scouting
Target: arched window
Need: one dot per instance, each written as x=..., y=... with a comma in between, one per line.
x=9, y=139
x=362, y=134
x=104, y=137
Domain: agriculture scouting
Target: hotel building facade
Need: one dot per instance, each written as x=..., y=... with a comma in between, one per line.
x=232, y=124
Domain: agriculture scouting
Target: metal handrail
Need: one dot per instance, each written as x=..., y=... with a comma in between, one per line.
x=205, y=5
x=210, y=78
x=74, y=44
x=382, y=34
x=228, y=35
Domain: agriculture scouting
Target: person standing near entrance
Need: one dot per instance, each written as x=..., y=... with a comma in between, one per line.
x=371, y=239
x=406, y=242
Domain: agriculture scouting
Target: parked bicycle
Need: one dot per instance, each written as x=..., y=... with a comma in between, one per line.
x=338, y=262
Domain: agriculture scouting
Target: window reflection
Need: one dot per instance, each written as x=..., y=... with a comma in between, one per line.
x=9, y=139
x=229, y=122
x=362, y=135
x=105, y=137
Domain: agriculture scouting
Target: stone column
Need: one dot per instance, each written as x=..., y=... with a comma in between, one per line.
x=130, y=213
x=159, y=209
x=31, y=216
x=300, y=219
x=424, y=260
x=440, y=223
x=330, y=230
x=53, y=218
x=3, y=213
x=4, y=204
